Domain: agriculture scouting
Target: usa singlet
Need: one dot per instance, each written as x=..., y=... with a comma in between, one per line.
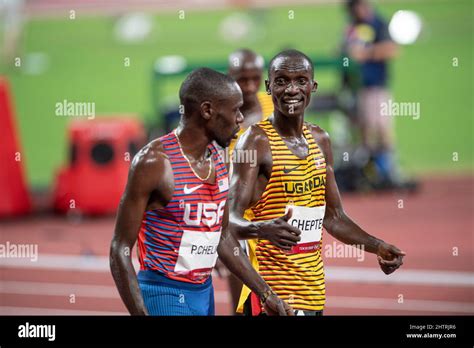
x=180, y=240
x=296, y=276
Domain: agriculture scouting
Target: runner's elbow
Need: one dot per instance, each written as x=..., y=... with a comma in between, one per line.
x=119, y=250
x=332, y=219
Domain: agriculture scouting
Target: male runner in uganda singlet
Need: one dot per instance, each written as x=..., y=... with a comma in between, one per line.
x=293, y=177
x=298, y=183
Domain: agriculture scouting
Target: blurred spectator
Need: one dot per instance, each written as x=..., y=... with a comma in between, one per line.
x=367, y=41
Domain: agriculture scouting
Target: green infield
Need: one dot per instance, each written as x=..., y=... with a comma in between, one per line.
x=80, y=60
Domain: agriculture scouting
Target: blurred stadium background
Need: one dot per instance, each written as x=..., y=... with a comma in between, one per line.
x=87, y=51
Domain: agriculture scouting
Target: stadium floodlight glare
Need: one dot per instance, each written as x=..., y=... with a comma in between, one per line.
x=237, y=27
x=168, y=65
x=405, y=27
x=133, y=27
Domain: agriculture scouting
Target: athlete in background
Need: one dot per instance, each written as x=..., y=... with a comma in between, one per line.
x=246, y=67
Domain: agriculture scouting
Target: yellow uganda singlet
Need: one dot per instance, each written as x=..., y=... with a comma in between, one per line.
x=266, y=104
x=297, y=276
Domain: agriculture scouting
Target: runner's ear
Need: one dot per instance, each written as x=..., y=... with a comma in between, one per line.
x=206, y=110
x=315, y=86
x=267, y=87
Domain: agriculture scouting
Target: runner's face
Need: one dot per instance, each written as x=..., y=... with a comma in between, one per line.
x=226, y=123
x=291, y=83
x=249, y=81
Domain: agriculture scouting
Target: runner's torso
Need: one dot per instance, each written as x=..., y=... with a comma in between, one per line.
x=298, y=276
x=180, y=240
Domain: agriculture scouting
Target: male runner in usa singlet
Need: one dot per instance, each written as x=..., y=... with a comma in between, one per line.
x=175, y=205
x=294, y=172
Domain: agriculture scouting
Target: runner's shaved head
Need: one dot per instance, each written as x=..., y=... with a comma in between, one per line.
x=204, y=84
x=244, y=59
x=298, y=60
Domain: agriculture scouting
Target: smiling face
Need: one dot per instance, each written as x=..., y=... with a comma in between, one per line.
x=291, y=84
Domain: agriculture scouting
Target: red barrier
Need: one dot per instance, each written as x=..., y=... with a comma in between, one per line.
x=100, y=155
x=14, y=196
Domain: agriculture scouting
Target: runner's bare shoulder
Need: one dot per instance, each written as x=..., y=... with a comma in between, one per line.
x=151, y=165
x=254, y=138
x=320, y=136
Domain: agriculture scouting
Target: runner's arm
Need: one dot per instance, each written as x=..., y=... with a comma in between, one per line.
x=232, y=255
x=341, y=226
x=147, y=169
x=245, y=191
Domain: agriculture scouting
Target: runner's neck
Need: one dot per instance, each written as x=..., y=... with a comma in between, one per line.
x=288, y=126
x=193, y=145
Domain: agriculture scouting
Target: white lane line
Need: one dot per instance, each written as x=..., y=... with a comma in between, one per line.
x=334, y=273
x=86, y=263
x=392, y=304
x=58, y=289
x=11, y=310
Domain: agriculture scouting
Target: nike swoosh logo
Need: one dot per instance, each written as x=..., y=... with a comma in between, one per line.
x=289, y=170
x=187, y=190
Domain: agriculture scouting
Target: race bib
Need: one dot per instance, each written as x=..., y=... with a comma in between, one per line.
x=197, y=254
x=310, y=222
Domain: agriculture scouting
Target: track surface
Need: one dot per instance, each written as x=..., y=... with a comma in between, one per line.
x=434, y=227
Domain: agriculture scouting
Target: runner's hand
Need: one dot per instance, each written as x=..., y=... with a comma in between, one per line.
x=390, y=257
x=280, y=232
x=276, y=306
